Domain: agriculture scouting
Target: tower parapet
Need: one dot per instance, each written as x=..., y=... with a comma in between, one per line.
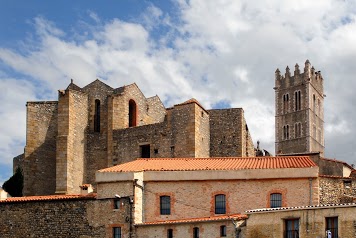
x=299, y=110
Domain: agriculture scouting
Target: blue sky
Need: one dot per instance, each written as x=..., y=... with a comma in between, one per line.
x=223, y=53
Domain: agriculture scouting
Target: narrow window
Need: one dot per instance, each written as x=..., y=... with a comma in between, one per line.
x=222, y=231
x=331, y=227
x=132, y=113
x=291, y=228
x=97, y=116
x=314, y=103
x=145, y=151
x=170, y=233
x=195, y=232
x=319, y=108
x=117, y=232
x=116, y=203
x=299, y=101
x=275, y=200
x=165, y=205
x=220, y=204
x=296, y=100
x=287, y=132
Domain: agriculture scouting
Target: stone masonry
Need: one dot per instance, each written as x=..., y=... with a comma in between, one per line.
x=98, y=126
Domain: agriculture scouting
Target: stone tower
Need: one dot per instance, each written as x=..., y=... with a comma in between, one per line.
x=299, y=100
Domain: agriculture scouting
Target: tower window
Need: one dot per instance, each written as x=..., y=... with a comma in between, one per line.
x=285, y=102
x=132, y=113
x=297, y=97
x=195, y=232
x=298, y=129
x=286, y=132
x=145, y=151
x=97, y=116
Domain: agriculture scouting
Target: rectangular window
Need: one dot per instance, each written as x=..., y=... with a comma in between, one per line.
x=220, y=204
x=195, y=232
x=222, y=231
x=332, y=227
x=291, y=228
x=117, y=232
x=170, y=233
x=165, y=205
x=145, y=151
x=275, y=200
x=116, y=203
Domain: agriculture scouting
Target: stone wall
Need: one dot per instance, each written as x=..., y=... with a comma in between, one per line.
x=337, y=190
x=206, y=229
x=63, y=218
x=241, y=195
x=311, y=222
x=39, y=163
x=229, y=135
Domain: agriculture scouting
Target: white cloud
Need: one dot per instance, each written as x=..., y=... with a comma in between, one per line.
x=216, y=51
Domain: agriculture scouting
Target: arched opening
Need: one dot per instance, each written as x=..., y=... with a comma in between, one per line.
x=132, y=113
x=97, y=116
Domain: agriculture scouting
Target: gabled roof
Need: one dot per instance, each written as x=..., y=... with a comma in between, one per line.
x=194, y=220
x=227, y=163
x=49, y=198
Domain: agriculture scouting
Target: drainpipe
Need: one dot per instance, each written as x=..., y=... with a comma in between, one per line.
x=310, y=192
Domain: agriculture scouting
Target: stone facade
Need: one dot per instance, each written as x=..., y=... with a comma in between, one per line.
x=77, y=218
x=299, y=101
x=337, y=190
x=97, y=126
x=312, y=221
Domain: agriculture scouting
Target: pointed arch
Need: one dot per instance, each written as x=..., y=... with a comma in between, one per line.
x=132, y=113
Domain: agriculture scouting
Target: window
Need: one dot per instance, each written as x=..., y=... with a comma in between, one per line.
x=297, y=98
x=220, y=204
x=145, y=151
x=165, y=205
x=116, y=203
x=332, y=227
x=117, y=232
x=298, y=129
x=195, y=232
x=170, y=233
x=222, y=231
x=314, y=103
x=286, y=132
x=285, y=102
x=97, y=116
x=275, y=200
x=132, y=113
x=291, y=228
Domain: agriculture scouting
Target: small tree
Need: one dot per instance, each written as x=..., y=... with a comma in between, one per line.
x=14, y=185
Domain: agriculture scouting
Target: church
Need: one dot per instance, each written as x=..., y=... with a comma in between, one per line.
x=109, y=162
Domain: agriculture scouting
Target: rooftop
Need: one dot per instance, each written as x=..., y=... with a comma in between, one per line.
x=48, y=198
x=227, y=163
x=300, y=208
x=202, y=219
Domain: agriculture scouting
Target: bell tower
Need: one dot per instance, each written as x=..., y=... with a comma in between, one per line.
x=299, y=101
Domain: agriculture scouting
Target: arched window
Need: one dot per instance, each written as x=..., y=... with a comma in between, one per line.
x=132, y=113
x=97, y=116
x=275, y=200
x=297, y=98
x=298, y=129
x=220, y=204
x=285, y=102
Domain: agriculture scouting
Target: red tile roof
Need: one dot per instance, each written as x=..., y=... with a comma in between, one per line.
x=49, y=198
x=192, y=220
x=227, y=163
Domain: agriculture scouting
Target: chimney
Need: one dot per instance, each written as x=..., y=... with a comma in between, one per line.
x=86, y=189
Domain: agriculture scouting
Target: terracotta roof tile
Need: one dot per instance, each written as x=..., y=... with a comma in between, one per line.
x=200, y=219
x=227, y=163
x=301, y=207
x=48, y=198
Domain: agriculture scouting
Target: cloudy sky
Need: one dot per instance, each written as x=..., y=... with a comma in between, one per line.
x=223, y=53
